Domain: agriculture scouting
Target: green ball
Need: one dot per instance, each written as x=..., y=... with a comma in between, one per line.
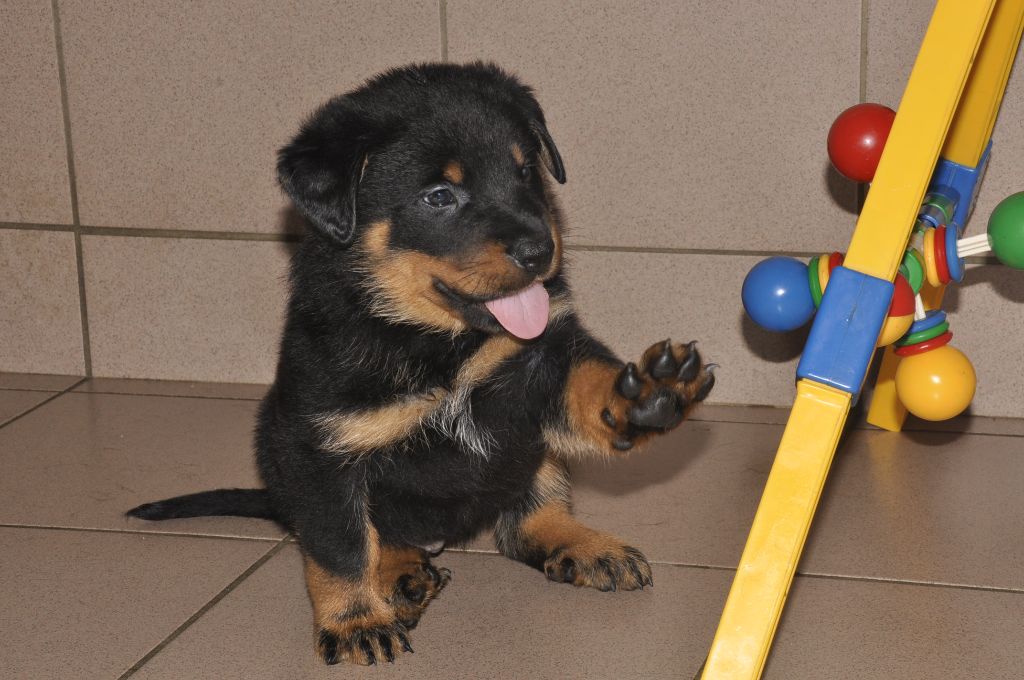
x=1006, y=231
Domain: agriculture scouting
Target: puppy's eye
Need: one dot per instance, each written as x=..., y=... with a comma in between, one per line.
x=526, y=172
x=439, y=198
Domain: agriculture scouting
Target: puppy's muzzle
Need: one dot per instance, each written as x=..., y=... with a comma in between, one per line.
x=532, y=255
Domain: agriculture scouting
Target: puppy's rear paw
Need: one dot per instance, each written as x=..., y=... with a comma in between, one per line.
x=415, y=589
x=613, y=567
x=364, y=643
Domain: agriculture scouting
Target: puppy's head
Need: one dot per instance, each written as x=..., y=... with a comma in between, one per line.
x=432, y=176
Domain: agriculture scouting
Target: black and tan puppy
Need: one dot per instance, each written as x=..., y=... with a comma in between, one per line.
x=433, y=376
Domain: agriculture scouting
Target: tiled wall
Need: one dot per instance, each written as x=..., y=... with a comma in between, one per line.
x=142, y=235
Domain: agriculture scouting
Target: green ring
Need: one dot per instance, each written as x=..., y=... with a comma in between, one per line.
x=814, y=281
x=915, y=272
x=926, y=334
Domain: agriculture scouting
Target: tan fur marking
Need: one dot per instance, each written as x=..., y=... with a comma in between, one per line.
x=485, y=360
x=517, y=154
x=552, y=481
x=569, y=444
x=552, y=527
x=334, y=597
x=588, y=392
x=453, y=172
x=361, y=431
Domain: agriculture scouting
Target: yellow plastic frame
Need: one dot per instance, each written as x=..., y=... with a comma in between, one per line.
x=948, y=107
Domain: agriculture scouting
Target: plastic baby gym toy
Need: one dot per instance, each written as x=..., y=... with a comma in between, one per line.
x=924, y=163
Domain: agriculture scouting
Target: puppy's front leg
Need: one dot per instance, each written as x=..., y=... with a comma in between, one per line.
x=353, y=620
x=611, y=408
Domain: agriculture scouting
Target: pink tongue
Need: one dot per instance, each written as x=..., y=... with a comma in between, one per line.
x=525, y=314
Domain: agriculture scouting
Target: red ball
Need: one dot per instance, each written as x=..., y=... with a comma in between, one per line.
x=856, y=140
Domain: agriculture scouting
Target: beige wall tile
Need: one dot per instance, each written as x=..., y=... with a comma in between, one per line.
x=33, y=160
x=631, y=300
x=178, y=109
x=40, y=321
x=685, y=124
x=182, y=309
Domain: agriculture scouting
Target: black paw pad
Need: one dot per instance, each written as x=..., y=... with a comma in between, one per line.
x=661, y=410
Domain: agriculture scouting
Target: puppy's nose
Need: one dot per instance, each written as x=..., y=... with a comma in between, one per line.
x=532, y=255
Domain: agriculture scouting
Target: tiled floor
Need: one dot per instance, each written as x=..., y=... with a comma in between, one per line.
x=914, y=568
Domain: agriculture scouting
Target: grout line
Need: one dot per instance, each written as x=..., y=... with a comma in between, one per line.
x=442, y=6
x=72, y=186
x=912, y=582
x=277, y=237
x=169, y=396
x=202, y=610
x=140, y=532
x=44, y=402
x=66, y=111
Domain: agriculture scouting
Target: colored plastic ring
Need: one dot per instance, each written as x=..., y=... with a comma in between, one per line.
x=940, y=255
x=923, y=336
x=922, y=347
x=915, y=270
x=953, y=260
x=823, y=272
x=933, y=318
x=835, y=260
x=929, y=258
x=814, y=281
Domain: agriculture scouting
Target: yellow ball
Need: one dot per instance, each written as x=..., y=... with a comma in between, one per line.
x=895, y=327
x=936, y=385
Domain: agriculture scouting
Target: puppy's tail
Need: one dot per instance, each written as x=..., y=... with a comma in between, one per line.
x=235, y=502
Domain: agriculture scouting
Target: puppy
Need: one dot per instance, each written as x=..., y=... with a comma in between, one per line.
x=433, y=377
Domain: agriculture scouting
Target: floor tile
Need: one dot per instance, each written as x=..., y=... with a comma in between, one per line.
x=923, y=506
x=174, y=388
x=15, y=402
x=496, y=620
x=89, y=605
x=37, y=381
x=881, y=631
x=83, y=459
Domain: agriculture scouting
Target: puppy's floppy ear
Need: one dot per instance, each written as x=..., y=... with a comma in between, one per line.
x=321, y=167
x=552, y=159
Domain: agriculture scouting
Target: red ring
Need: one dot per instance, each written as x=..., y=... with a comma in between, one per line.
x=835, y=260
x=925, y=346
x=941, y=266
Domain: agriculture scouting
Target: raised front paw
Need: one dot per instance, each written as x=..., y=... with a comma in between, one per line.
x=415, y=589
x=654, y=397
x=357, y=638
x=605, y=567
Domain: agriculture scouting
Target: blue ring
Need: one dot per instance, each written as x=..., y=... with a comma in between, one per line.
x=933, y=319
x=954, y=263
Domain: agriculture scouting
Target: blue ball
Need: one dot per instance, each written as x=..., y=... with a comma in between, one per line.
x=776, y=294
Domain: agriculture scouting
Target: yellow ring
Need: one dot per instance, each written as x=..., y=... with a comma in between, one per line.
x=823, y=272
x=931, y=271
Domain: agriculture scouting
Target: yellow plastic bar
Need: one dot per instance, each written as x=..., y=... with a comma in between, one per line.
x=777, y=536
x=917, y=135
x=983, y=95
x=968, y=136
x=751, y=615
